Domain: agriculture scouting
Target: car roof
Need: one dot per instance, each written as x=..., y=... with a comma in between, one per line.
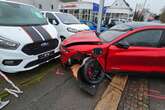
x=86, y=21
x=15, y=2
x=135, y=25
x=54, y=12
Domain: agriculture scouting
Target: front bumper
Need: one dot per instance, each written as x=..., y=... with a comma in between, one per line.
x=70, y=57
x=28, y=61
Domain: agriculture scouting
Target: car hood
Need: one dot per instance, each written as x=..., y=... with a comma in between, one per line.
x=20, y=34
x=79, y=27
x=85, y=37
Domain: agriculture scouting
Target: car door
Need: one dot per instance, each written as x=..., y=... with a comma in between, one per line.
x=55, y=22
x=140, y=56
x=161, y=55
x=52, y=19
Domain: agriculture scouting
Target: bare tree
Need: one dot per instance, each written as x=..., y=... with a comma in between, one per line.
x=162, y=15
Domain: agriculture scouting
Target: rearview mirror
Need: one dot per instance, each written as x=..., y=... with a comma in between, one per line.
x=52, y=21
x=122, y=44
x=55, y=22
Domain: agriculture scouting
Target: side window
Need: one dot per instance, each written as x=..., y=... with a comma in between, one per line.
x=40, y=6
x=51, y=18
x=147, y=38
x=162, y=41
x=42, y=13
x=90, y=24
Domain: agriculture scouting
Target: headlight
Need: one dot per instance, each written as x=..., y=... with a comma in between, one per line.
x=72, y=30
x=8, y=44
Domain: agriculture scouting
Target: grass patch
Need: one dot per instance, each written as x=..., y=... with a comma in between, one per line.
x=4, y=94
x=38, y=77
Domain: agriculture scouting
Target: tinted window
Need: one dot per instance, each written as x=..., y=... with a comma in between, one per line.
x=162, y=41
x=111, y=35
x=149, y=38
x=67, y=18
x=51, y=17
x=90, y=24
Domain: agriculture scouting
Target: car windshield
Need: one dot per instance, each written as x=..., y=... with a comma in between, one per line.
x=67, y=18
x=12, y=14
x=114, y=32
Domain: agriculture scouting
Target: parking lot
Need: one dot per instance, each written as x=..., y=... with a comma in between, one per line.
x=51, y=86
x=82, y=55
x=44, y=88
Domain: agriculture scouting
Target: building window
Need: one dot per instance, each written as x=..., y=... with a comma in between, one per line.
x=61, y=10
x=52, y=7
x=40, y=6
x=65, y=11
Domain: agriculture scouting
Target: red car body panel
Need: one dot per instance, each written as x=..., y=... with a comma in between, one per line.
x=133, y=59
x=84, y=36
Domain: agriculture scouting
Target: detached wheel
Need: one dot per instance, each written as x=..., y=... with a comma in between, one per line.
x=91, y=72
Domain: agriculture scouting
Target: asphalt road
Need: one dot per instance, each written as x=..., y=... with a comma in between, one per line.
x=54, y=89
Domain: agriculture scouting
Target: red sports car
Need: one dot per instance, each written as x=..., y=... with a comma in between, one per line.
x=130, y=47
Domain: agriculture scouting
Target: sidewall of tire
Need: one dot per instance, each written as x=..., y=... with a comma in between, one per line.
x=83, y=76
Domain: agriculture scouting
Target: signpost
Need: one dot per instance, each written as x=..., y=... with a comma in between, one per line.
x=100, y=14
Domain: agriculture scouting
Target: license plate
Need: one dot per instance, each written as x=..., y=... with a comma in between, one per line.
x=45, y=55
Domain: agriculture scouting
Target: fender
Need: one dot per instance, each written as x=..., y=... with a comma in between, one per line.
x=101, y=60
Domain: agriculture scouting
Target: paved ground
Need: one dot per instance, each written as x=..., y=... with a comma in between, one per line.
x=144, y=93
x=51, y=88
x=52, y=91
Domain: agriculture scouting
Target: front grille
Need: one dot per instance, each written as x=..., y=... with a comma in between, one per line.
x=41, y=61
x=40, y=47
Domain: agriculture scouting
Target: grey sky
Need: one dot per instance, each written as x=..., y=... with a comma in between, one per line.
x=154, y=5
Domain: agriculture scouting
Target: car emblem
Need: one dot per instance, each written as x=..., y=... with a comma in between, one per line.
x=44, y=44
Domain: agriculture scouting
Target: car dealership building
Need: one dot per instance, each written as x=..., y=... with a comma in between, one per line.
x=119, y=9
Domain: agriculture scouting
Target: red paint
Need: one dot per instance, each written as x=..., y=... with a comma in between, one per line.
x=155, y=94
x=86, y=36
x=58, y=71
x=133, y=59
x=154, y=91
x=159, y=97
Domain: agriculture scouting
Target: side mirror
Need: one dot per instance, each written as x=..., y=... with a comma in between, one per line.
x=55, y=22
x=122, y=44
x=97, y=33
x=52, y=21
x=97, y=51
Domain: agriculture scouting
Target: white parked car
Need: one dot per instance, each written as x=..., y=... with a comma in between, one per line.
x=65, y=24
x=27, y=40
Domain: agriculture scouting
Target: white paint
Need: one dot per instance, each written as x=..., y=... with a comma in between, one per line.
x=14, y=91
x=3, y=104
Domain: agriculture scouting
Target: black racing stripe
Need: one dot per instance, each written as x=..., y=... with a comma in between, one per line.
x=44, y=33
x=32, y=33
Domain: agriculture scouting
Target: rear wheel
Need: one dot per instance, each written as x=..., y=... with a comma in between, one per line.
x=91, y=72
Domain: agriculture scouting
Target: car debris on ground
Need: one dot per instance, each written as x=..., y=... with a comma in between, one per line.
x=14, y=91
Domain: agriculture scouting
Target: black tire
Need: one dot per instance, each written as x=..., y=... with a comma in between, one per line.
x=96, y=75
